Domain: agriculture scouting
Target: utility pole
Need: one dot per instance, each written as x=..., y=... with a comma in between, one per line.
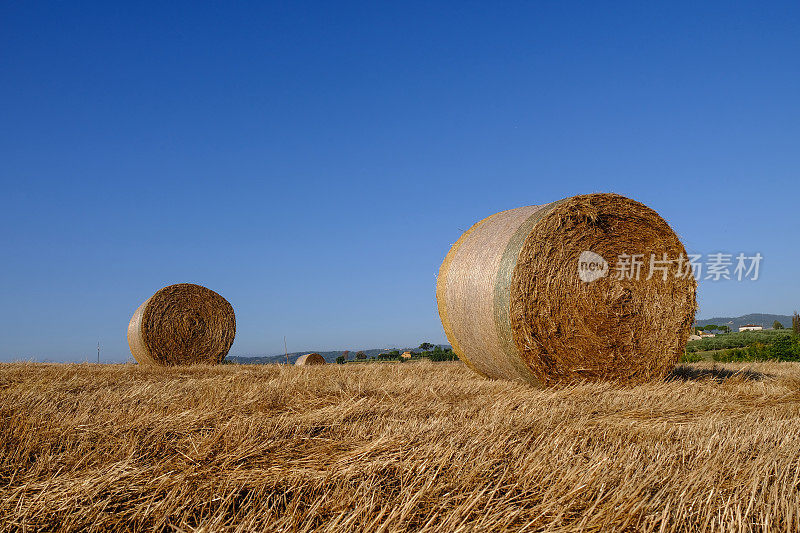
x=98, y=352
x=285, y=349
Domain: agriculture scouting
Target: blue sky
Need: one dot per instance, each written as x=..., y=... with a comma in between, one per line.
x=313, y=162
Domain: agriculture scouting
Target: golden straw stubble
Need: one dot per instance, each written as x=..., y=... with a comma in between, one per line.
x=514, y=306
x=182, y=324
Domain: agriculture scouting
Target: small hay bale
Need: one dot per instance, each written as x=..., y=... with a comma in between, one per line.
x=514, y=306
x=182, y=324
x=310, y=359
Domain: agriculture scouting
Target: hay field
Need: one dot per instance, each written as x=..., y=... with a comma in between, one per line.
x=413, y=446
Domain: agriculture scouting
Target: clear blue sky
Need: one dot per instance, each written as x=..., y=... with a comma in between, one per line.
x=313, y=162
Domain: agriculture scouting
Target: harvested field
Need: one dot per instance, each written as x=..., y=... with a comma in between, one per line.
x=413, y=446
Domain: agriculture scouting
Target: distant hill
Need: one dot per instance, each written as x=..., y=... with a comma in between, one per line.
x=760, y=319
x=330, y=356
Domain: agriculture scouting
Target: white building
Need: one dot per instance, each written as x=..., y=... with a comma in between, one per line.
x=750, y=327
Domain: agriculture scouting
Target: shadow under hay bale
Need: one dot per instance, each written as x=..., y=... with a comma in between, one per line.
x=182, y=324
x=310, y=359
x=515, y=305
x=690, y=373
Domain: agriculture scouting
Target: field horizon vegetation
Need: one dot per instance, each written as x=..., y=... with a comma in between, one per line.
x=395, y=447
x=746, y=346
x=705, y=347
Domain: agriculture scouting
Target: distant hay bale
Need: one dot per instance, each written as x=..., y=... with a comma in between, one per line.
x=182, y=324
x=310, y=359
x=515, y=303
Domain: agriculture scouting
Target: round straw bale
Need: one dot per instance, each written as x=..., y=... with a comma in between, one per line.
x=543, y=294
x=310, y=359
x=182, y=324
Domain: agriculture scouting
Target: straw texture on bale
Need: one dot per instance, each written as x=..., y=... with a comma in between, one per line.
x=310, y=359
x=182, y=324
x=513, y=305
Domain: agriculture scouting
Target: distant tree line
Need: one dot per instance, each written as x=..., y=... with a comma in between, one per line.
x=778, y=348
x=741, y=339
x=713, y=327
x=426, y=350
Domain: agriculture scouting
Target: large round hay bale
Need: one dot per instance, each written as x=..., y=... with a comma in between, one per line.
x=516, y=304
x=182, y=324
x=310, y=359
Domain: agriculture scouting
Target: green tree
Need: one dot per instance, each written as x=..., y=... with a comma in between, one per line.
x=711, y=327
x=426, y=346
x=440, y=354
x=360, y=356
x=725, y=329
x=777, y=325
x=796, y=323
x=341, y=360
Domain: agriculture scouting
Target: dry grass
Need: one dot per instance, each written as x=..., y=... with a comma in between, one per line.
x=395, y=447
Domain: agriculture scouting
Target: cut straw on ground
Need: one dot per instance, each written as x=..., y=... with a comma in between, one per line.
x=403, y=447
